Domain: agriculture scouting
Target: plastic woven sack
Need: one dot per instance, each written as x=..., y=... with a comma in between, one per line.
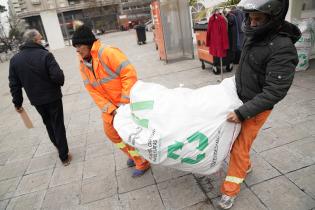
x=180, y=128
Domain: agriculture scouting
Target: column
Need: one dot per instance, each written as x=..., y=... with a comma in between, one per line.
x=52, y=28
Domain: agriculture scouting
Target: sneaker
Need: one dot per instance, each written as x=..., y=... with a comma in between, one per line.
x=226, y=201
x=67, y=161
x=138, y=173
x=130, y=163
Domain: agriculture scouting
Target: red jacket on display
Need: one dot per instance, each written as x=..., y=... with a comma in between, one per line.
x=217, y=36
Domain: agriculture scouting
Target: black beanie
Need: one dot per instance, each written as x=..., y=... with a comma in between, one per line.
x=83, y=35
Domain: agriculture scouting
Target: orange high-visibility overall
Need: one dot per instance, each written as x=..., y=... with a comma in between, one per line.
x=240, y=159
x=109, y=79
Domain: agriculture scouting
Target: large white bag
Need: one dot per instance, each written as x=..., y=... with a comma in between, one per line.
x=181, y=128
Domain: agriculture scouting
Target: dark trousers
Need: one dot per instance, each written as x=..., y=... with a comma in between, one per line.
x=52, y=115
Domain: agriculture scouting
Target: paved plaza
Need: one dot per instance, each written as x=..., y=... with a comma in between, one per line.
x=32, y=177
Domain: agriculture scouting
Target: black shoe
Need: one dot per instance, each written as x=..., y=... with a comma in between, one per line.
x=229, y=68
x=67, y=161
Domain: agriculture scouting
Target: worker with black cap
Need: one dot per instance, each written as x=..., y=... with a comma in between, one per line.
x=108, y=76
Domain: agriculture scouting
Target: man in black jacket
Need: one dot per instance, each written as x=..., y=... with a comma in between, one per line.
x=264, y=76
x=36, y=70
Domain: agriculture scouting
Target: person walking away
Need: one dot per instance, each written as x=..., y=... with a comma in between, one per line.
x=35, y=69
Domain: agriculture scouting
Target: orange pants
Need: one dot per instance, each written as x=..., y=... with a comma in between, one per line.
x=240, y=159
x=141, y=163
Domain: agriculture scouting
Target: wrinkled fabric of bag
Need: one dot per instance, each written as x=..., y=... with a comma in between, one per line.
x=180, y=128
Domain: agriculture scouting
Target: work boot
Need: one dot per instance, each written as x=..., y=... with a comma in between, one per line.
x=138, y=173
x=130, y=163
x=226, y=201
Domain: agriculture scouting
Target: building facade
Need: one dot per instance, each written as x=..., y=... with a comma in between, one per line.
x=100, y=15
x=136, y=10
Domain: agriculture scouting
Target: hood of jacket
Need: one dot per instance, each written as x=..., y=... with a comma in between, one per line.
x=289, y=30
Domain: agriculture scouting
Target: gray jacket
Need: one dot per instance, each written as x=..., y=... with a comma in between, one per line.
x=266, y=70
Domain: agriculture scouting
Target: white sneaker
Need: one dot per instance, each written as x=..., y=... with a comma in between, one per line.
x=226, y=201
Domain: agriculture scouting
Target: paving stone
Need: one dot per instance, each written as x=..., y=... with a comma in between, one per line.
x=68, y=174
x=309, y=125
x=34, y=182
x=292, y=156
x=204, y=205
x=142, y=199
x=75, y=207
x=94, y=189
x=280, y=193
x=99, y=167
x=78, y=130
x=120, y=160
x=62, y=197
x=42, y=163
x=275, y=137
x=30, y=140
x=127, y=183
x=246, y=200
x=14, y=169
x=97, y=150
x=162, y=173
x=4, y=204
x=180, y=193
x=97, y=137
x=262, y=171
x=6, y=144
x=304, y=179
x=4, y=156
x=22, y=153
x=28, y=201
x=76, y=141
x=45, y=149
x=8, y=187
x=111, y=203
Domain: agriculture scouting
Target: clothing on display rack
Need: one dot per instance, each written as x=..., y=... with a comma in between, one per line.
x=239, y=17
x=217, y=36
x=233, y=19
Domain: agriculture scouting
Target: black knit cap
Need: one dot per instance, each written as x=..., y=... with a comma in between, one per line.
x=83, y=35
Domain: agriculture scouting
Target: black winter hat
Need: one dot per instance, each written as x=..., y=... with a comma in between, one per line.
x=83, y=35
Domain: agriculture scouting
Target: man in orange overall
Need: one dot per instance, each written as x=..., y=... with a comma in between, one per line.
x=264, y=76
x=108, y=76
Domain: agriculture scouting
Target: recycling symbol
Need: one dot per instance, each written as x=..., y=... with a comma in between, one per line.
x=203, y=143
x=303, y=58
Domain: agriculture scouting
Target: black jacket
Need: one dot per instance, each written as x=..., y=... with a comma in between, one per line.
x=266, y=70
x=36, y=70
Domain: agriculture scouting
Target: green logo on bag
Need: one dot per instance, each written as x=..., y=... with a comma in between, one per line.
x=137, y=106
x=203, y=143
x=172, y=149
x=303, y=60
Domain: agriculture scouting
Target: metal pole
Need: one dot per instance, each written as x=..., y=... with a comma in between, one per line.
x=65, y=28
x=221, y=63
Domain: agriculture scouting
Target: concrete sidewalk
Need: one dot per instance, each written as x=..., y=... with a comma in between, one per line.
x=32, y=177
